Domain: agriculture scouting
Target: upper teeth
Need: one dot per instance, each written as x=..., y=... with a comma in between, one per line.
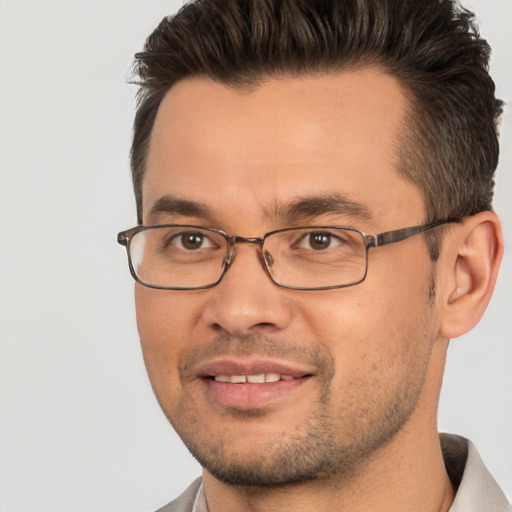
x=252, y=379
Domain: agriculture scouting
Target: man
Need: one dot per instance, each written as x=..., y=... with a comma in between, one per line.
x=314, y=183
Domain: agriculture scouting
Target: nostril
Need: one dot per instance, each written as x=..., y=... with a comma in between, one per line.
x=264, y=325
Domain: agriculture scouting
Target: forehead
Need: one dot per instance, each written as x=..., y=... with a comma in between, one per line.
x=287, y=138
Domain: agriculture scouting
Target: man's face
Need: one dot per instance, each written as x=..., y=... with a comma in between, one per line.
x=352, y=362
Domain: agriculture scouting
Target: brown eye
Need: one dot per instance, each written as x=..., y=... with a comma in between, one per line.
x=190, y=241
x=319, y=241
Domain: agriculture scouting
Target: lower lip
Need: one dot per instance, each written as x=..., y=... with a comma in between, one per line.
x=251, y=396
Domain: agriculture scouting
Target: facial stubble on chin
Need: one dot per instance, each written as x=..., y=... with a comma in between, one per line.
x=316, y=448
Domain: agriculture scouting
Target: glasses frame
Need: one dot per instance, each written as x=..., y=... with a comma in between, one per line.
x=124, y=238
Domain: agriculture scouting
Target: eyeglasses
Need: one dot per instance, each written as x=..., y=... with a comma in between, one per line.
x=182, y=257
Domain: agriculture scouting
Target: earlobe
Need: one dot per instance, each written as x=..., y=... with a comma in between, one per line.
x=470, y=262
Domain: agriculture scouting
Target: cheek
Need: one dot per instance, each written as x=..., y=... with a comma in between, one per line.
x=165, y=326
x=164, y=317
x=374, y=326
x=351, y=317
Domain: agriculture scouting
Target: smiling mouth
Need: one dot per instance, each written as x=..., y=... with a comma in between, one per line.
x=257, y=384
x=260, y=378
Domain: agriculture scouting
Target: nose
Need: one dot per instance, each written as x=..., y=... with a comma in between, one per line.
x=246, y=300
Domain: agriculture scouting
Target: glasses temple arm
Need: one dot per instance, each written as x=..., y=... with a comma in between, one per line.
x=390, y=237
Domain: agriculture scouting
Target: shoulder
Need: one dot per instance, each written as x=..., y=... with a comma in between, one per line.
x=185, y=501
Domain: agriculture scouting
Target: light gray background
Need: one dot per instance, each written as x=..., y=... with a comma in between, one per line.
x=79, y=427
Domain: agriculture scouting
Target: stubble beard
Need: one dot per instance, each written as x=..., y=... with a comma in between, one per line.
x=321, y=447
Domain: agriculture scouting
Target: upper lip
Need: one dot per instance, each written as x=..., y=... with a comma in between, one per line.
x=233, y=366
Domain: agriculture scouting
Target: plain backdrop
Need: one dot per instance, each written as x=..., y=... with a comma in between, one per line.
x=80, y=429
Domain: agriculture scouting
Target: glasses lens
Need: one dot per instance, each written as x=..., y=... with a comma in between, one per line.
x=316, y=257
x=178, y=256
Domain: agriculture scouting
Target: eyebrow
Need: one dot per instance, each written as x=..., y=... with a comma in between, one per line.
x=170, y=205
x=307, y=208
x=301, y=209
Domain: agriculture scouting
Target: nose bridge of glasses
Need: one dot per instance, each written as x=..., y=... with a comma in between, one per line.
x=240, y=240
x=243, y=240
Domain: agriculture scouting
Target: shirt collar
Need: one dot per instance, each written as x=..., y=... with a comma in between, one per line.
x=200, y=504
x=477, y=490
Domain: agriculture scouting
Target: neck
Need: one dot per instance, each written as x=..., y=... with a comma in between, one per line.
x=406, y=474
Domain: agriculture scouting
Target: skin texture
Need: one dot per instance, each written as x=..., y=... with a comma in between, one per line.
x=349, y=434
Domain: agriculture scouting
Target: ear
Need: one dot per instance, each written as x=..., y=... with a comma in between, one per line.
x=467, y=272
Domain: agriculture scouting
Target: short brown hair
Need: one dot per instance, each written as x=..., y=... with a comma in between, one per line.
x=449, y=146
